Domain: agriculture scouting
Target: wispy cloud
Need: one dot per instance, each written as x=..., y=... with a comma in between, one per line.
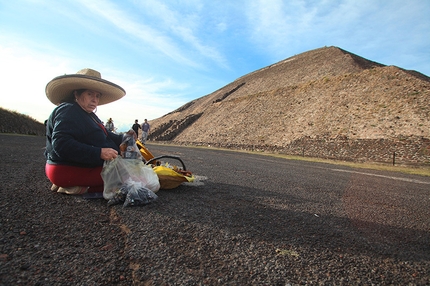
x=169, y=41
x=187, y=27
x=150, y=36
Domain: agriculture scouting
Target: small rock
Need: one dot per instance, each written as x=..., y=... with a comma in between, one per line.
x=4, y=257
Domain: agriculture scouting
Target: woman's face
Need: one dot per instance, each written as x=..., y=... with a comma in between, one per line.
x=88, y=100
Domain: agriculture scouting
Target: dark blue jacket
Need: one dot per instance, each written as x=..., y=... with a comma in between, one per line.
x=74, y=138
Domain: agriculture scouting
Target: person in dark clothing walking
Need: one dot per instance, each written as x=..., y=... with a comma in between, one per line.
x=136, y=127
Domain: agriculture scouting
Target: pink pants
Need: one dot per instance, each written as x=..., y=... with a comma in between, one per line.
x=70, y=176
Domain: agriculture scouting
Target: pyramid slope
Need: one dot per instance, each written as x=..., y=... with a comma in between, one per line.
x=325, y=93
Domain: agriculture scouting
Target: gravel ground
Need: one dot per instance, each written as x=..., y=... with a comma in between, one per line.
x=238, y=227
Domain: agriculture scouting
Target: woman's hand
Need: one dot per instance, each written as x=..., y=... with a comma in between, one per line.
x=108, y=154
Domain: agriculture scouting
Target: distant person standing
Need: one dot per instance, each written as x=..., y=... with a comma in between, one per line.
x=145, y=130
x=109, y=125
x=136, y=127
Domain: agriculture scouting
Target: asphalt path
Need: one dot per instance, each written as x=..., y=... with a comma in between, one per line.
x=379, y=197
x=247, y=219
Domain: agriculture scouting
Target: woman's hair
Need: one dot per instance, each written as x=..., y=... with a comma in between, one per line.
x=79, y=91
x=71, y=98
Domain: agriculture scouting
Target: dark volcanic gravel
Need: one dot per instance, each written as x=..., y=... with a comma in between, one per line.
x=248, y=220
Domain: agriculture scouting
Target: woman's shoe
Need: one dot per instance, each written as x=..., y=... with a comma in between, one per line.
x=54, y=187
x=77, y=190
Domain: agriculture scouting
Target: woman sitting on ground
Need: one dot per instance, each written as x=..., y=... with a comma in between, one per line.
x=77, y=143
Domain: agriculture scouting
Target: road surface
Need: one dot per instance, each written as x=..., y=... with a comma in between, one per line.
x=247, y=220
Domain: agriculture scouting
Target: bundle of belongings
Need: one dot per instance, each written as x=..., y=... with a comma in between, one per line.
x=134, y=177
x=169, y=175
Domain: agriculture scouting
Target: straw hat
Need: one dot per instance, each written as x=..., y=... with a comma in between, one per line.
x=61, y=88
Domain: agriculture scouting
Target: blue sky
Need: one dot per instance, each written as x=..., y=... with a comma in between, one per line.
x=167, y=53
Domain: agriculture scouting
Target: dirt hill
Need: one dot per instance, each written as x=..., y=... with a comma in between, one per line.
x=14, y=122
x=324, y=103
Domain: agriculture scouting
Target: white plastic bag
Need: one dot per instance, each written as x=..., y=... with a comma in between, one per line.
x=118, y=172
x=138, y=195
x=133, y=194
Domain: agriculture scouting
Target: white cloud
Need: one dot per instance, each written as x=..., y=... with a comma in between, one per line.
x=24, y=76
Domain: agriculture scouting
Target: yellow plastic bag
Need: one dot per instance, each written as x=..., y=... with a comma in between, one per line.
x=170, y=179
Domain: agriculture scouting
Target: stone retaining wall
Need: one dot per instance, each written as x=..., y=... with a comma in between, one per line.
x=403, y=150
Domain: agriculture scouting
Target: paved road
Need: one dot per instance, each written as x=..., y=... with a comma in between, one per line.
x=248, y=219
x=390, y=199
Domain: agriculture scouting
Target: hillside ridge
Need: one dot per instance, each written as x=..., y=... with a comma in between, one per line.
x=14, y=122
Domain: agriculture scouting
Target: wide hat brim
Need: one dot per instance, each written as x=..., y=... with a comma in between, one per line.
x=61, y=88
